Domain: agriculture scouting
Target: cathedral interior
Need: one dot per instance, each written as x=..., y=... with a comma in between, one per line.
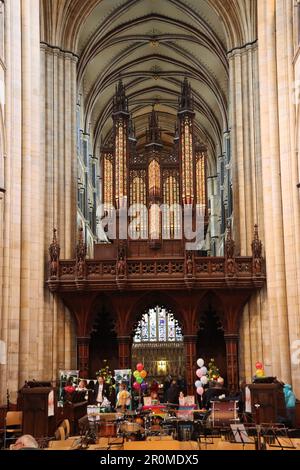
x=127, y=129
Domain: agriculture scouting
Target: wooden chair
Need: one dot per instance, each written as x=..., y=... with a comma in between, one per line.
x=13, y=426
x=60, y=434
x=66, y=425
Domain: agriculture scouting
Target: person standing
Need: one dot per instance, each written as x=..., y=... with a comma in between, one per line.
x=173, y=393
x=101, y=390
x=123, y=397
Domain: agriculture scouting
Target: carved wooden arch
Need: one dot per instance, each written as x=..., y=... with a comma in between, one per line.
x=80, y=305
x=102, y=300
x=210, y=302
x=232, y=303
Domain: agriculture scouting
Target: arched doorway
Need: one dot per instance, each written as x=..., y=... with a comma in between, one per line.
x=103, y=343
x=158, y=344
x=211, y=341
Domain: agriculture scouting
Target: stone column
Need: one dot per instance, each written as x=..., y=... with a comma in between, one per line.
x=23, y=264
x=245, y=144
x=124, y=352
x=83, y=353
x=190, y=343
x=246, y=162
x=232, y=341
x=280, y=245
x=289, y=165
x=58, y=148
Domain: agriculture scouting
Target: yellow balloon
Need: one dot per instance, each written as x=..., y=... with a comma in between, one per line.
x=260, y=373
x=143, y=374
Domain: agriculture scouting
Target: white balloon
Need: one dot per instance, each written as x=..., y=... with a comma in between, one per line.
x=198, y=383
x=200, y=362
x=204, y=370
x=204, y=380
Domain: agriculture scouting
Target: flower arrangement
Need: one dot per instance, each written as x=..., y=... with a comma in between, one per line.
x=213, y=372
x=105, y=372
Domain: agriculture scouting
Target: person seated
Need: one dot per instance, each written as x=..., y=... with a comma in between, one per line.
x=82, y=386
x=69, y=387
x=25, y=442
x=154, y=386
x=215, y=391
x=123, y=397
x=68, y=391
x=182, y=399
x=154, y=398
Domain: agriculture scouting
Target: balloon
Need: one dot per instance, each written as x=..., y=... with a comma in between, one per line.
x=260, y=373
x=204, y=380
x=203, y=370
x=259, y=365
x=136, y=374
x=143, y=374
x=199, y=373
x=139, y=380
x=136, y=386
x=200, y=390
x=200, y=363
x=144, y=386
x=198, y=383
x=139, y=367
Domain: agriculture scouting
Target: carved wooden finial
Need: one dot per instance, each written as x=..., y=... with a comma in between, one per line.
x=256, y=252
x=81, y=251
x=229, y=244
x=54, y=252
x=81, y=245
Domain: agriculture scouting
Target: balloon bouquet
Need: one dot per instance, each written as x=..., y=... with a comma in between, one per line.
x=140, y=385
x=202, y=378
x=259, y=370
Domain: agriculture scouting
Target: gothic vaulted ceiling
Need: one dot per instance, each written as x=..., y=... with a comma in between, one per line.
x=152, y=45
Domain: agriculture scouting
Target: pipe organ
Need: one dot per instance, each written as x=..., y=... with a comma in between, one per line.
x=159, y=177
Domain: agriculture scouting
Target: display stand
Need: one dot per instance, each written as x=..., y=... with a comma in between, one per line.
x=267, y=402
x=276, y=436
x=39, y=411
x=240, y=434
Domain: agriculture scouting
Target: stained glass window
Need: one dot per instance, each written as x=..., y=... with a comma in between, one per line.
x=158, y=325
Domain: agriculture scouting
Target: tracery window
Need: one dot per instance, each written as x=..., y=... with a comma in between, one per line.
x=158, y=325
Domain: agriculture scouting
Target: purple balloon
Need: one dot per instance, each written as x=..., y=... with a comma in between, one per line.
x=144, y=386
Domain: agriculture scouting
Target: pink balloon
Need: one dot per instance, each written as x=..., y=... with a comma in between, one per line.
x=136, y=386
x=139, y=367
x=200, y=390
x=199, y=373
